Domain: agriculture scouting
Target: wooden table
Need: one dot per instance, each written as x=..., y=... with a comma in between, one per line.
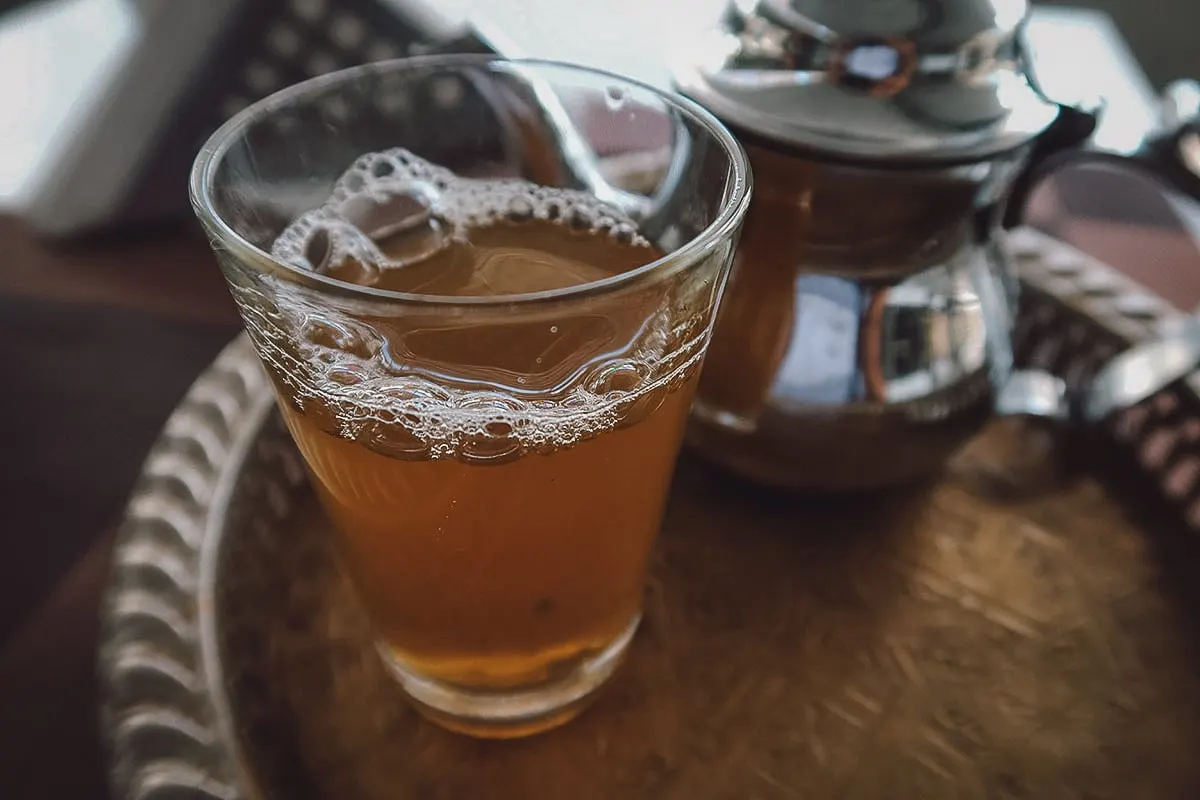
x=100, y=339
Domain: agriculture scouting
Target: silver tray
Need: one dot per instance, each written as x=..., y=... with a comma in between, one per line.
x=952, y=642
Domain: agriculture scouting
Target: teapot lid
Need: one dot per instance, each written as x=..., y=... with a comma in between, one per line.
x=911, y=80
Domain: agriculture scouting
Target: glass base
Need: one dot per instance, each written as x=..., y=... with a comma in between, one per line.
x=510, y=714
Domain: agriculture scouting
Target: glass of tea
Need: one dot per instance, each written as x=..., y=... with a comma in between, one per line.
x=483, y=290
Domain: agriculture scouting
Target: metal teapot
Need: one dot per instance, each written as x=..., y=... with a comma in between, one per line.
x=865, y=333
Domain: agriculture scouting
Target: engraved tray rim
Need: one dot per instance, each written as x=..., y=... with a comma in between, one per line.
x=158, y=629
x=165, y=716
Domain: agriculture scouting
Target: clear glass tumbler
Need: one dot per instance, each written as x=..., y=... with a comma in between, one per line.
x=483, y=290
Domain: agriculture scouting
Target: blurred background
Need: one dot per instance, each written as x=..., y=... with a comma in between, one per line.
x=1161, y=33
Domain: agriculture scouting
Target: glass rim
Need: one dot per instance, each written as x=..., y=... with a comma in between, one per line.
x=690, y=253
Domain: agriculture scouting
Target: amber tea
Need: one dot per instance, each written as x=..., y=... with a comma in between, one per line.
x=497, y=538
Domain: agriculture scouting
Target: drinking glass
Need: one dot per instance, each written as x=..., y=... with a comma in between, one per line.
x=495, y=463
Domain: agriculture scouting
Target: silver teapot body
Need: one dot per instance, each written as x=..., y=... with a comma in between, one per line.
x=866, y=328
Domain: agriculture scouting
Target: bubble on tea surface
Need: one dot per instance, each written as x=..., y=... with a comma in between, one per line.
x=395, y=219
x=392, y=216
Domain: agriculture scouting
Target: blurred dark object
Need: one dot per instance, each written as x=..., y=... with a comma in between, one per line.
x=11, y=5
x=73, y=442
x=1161, y=33
x=192, y=66
x=50, y=433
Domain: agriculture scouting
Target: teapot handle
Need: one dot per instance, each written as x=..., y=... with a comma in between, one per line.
x=1126, y=380
x=1170, y=155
